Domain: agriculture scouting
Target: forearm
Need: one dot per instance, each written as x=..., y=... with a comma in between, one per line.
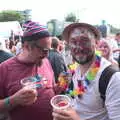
x=7, y=103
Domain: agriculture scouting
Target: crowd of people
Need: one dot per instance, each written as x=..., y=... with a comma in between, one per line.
x=37, y=54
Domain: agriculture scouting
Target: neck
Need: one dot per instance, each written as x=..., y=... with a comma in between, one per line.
x=86, y=66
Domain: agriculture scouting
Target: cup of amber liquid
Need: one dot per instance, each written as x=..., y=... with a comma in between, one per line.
x=60, y=102
x=29, y=83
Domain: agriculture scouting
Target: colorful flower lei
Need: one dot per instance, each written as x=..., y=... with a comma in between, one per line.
x=82, y=85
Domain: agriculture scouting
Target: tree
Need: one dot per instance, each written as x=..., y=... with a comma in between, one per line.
x=113, y=29
x=71, y=17
x=11, y=15
x=26, y=13
x=52, y=26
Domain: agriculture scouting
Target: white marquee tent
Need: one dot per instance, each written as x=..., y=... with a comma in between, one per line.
x=7, y=27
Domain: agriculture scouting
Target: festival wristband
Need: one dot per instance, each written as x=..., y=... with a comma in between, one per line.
x=7, y=101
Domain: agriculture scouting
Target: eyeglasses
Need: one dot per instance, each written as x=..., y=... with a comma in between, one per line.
x=44, y=50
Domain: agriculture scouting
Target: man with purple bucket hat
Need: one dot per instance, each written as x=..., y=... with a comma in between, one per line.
x=25, y=104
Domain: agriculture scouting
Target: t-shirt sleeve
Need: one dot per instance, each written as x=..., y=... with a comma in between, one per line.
x=113, y=97
x=2, y=79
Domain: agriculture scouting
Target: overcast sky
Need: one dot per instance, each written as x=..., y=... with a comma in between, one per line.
x=91, y=11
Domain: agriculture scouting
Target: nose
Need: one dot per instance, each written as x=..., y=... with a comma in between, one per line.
x=79, y=46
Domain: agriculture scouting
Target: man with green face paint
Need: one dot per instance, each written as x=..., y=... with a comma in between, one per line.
x=87, y=103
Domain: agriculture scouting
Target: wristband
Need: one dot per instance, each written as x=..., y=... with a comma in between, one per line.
x=7, y=102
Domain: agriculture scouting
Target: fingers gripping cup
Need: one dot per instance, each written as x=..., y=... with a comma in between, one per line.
x=60, y=102
x=29, y=88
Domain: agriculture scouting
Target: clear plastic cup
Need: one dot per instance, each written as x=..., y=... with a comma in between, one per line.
x=60, y=102
x=29, y=83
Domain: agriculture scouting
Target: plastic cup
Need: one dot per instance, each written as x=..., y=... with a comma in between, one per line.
x=29, y=83
x=60, y=102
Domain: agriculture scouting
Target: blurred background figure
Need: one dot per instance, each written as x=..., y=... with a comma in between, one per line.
x=18, y=46
x=7, y=44
x=4, y=54
x=12, y=46
x=117, y=38
x=56, y=57
x=114, y=45
x=106, y=51
x=103, y=29
x=117, y=51
x=62, y=48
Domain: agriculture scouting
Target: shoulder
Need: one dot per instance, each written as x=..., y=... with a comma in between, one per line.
x=5, y=53
x=5, y=67
x=104, y=63
x=52, y=54
x=8, y=63
x=113, y=88
x=112, y=101
x=56, y=57
x=115, y=79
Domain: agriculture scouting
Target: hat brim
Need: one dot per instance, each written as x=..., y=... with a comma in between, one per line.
x=70, y=27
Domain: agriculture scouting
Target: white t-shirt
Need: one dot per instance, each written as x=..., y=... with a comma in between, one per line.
x=18, y=48
x=114, y=45
x=91, y=105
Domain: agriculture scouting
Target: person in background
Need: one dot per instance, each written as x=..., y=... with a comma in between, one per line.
x=117, y=38
x=114, y=45
x=7, y=44
x=12, y=46
x=106, y=51
x=26, y=104
x=18, y=47
x=56, y=58
x=4, y=55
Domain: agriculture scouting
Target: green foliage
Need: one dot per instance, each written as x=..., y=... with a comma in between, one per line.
x=114, y=30
x=71, y=17
x=11, y=15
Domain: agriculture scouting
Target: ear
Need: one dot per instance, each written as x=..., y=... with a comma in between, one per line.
x=26, y=45
x=96, y=43
x=96, y=46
